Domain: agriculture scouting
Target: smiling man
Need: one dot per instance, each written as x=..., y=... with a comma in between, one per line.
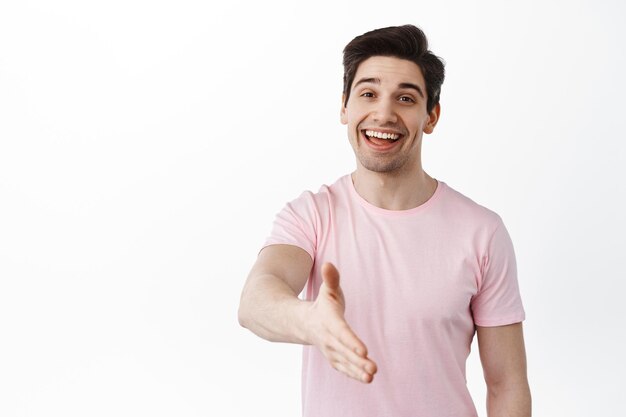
x=400, y=270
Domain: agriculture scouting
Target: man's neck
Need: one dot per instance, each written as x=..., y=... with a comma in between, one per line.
x=394, y=192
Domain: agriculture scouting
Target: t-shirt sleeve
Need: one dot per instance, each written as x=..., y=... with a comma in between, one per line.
x=498, y=301
x=295, y=225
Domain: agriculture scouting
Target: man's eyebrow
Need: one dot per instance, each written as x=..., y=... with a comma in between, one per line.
x=412, y=86
x=374, y=80
x=367, y=80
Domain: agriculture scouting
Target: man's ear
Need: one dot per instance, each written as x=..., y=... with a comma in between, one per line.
x=433, y=118
x=342, y=115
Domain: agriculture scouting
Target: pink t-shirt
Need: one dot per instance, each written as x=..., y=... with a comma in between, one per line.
x=415, y=282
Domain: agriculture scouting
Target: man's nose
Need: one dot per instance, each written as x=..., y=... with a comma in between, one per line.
x=385, y=112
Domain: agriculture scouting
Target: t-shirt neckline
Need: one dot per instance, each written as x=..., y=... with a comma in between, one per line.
x=394, y=213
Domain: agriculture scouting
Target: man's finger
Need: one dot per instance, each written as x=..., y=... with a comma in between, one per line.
x=353, y=350
x=351, y=341
x=330, y=275
x=364, y=363
x=352, y=371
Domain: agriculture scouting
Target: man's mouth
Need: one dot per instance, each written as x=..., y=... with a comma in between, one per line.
x=380, y=140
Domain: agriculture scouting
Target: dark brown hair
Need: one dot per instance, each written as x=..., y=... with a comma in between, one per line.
x=404, y=42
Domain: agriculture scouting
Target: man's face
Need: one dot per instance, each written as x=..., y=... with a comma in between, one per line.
x=388, y=96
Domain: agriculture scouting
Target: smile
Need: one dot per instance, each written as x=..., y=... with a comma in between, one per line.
x=380, y=141
x=381, y=135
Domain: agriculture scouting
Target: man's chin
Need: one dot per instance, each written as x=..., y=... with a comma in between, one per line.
x=379, y=166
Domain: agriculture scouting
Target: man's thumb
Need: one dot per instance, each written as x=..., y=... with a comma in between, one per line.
x=330, y=275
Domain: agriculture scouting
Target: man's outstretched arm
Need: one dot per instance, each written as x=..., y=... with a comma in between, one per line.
x=503, y=358
x=271, y=309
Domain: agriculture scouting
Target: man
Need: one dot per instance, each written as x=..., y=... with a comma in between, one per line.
x=400, y=269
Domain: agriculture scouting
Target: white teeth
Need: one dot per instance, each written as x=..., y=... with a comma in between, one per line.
x=380, y=135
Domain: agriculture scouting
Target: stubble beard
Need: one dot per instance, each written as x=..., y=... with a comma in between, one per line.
x=383, y=163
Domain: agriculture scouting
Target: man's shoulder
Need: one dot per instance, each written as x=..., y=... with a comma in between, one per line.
x=323, y=197
x=461, y=206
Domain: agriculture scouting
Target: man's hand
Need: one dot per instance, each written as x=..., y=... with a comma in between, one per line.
x=271, y=309
x=329, y=331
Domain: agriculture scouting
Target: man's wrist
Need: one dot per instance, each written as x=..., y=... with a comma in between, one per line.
x=302, y=321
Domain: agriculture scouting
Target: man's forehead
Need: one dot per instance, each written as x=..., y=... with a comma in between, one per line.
x=385, y=69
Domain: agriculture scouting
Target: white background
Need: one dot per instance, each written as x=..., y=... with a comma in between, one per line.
x=145, y=148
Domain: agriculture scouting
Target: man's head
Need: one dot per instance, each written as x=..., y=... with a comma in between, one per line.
x=404, y=42
x=391, y=98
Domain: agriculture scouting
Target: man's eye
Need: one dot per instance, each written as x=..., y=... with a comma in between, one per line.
x=407, y=99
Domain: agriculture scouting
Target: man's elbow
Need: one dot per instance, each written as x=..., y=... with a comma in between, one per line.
x=512, y=399
x=241, y=317
x=507, y=385
x=242, y=312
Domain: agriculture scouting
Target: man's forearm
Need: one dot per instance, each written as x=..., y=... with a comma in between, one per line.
x=271, y=310
x=509, y=400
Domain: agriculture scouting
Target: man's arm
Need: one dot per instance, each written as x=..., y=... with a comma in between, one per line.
x=271, y=309
x=269, y=305
x=503, y=358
